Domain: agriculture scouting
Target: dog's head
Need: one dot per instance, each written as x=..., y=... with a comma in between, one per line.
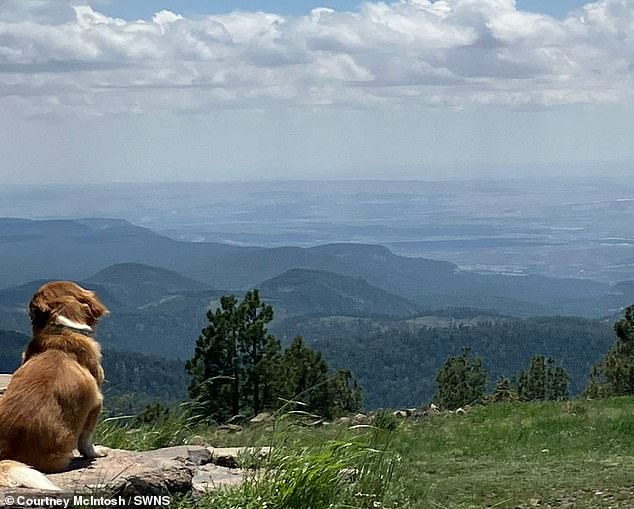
x=67, y=304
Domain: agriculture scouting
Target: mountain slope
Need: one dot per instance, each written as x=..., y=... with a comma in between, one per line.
x=398, y=367
x=136, y=285
x=311, y=292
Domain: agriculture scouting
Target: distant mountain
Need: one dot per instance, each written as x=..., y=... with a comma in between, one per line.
x=315, y=292
x=138, y=285
x=76, y=249
x=67, y=249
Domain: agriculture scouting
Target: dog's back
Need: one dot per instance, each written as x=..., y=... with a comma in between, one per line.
x=39, y=414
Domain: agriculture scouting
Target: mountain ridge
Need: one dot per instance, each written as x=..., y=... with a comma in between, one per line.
x=90, y=245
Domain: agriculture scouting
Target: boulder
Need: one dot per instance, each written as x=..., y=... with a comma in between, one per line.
x=401, y=414
x=198, y=440
x=167, y=471
x=262, y=418
x=361, y=419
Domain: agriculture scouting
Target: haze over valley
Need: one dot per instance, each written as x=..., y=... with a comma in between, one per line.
x=558, y=227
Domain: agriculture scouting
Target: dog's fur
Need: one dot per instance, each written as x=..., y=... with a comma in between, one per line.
x=53, y=401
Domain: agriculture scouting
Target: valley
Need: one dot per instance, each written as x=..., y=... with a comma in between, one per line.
x=387, y=278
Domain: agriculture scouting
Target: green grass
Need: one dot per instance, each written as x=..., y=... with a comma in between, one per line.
x=576, y=454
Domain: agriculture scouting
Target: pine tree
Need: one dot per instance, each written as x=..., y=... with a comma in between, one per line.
x=543, y=380
x=304, y=376
x=214, y=368
x=505, y=391
x=461, y=381
x=229, y=361
x=255, y=346
x=614, y=374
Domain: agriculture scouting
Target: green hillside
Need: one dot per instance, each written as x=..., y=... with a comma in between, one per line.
x=556, y=455
x=396, y=361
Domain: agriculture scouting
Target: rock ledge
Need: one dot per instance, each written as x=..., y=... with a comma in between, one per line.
x=168, y=471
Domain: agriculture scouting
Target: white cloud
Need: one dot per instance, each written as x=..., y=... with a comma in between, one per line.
x=58, y=59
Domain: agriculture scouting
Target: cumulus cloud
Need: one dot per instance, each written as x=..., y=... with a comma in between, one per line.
x=56, y=57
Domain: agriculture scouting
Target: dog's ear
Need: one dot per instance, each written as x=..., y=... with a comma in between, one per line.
x=39, y=309
x=97, y=308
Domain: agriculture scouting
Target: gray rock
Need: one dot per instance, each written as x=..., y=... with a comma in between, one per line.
x=262, y=418
x=198, y=440
x=211, y=477
x=122, y=473
x=360, y=420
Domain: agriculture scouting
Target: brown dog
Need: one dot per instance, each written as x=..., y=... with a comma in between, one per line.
x=53, y=401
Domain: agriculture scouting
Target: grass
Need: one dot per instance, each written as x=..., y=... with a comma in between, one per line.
x=576, y=454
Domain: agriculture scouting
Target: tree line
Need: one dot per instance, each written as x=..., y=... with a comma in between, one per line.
x=463, y=379
x=239, y=369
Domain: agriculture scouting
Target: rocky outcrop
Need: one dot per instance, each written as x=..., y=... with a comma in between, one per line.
x=168, y=471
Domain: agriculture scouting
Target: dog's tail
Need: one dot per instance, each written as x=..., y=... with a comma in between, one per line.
x=18, y=475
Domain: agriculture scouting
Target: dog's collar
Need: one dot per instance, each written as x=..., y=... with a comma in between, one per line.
x=61, y=322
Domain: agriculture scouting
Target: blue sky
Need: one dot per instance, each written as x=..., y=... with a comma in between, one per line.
x=129, y=9
x=123, y=90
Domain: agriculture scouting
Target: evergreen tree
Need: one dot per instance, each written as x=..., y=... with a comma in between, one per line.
x=304, y=376
x=255, y=347
x=614, y=374
x=543, y=380
x=344, y=394
x=505, y=391
x=229, y=361
x=461, y=381
x=214, y=366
